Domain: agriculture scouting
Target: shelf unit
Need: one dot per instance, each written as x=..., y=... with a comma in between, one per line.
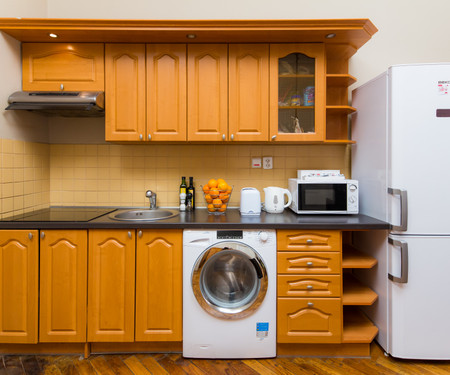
x=357, y=328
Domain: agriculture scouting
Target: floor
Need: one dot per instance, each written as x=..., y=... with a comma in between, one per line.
x=176, y=364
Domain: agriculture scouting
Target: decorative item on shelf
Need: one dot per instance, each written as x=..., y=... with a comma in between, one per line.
x=308, y=96
x=296, y=124
x=217, y=194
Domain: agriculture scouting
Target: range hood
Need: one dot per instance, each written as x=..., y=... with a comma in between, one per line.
x=67, y=104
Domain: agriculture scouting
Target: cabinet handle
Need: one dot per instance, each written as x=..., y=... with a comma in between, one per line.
x=42, y=235
x=232, y=137
x=61, y=87
x=129, y=235
x=309, y=241
x=30, y=236
x=140, y=234
x=310, y=304
x=274, y=137
x=223, y=137
x=310, y=287
x=141, y=137
x=309, y=264
x=149, y=137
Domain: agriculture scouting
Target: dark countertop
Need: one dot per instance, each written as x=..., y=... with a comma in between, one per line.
x=200, y=219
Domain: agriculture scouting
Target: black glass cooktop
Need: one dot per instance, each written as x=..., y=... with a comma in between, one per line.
x=80, y=214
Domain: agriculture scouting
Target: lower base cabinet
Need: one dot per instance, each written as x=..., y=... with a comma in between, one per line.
x=19, y=259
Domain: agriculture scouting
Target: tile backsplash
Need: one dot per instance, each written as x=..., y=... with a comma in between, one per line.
x=36, y=175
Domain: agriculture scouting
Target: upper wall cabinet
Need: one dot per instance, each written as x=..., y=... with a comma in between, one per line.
x=62, y=67
x=297, y=92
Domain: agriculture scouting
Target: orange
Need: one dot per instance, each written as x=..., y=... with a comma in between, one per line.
x=212, y=183
x=217, y=203
x=211, y=208
x=222, y=186
x=229, y=189
x=205, y=189
x=214, y=193
x=225, y=198
x=208, y=198
x=222, y=208
x=220, y=180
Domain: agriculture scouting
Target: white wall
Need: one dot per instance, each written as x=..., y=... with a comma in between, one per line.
x=410, y=31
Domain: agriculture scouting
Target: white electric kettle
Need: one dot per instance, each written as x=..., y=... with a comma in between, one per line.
x=274, y=199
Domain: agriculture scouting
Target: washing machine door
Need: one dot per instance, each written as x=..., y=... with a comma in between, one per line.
x=229, y=280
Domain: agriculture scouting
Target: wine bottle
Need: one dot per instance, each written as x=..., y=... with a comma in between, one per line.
x=183, y=186
x=191, y=190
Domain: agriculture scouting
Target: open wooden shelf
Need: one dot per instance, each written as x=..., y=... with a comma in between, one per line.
x=358, y=329
x=355, y=293
x=339, y=142
x=353, y=258
x=344, y=80
x=340, y=109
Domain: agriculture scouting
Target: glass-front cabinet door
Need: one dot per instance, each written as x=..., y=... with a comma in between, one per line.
x=297, y=92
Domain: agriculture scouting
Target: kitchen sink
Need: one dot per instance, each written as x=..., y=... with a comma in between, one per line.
x=143, y=214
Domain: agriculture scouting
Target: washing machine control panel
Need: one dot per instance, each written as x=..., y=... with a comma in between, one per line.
x=230, y=235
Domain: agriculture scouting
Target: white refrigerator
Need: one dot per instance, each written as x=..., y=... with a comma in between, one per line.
x=402, y=161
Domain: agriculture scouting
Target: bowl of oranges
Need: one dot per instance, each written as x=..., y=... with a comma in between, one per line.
x=217, y=194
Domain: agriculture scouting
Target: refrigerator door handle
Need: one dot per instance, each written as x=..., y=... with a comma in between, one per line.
x=403, y=209
x=404, y=259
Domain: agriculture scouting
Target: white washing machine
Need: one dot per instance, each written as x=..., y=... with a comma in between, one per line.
x=229, y=293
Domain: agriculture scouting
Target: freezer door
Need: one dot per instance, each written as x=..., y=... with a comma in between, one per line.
x=419, y=132
x=419, y=309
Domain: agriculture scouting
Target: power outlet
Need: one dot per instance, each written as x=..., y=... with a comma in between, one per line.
x=267, y=162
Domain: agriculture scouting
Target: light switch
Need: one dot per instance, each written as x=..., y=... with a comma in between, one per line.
x=256, y=162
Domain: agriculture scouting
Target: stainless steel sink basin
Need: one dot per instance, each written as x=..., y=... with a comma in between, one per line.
x=143, y=214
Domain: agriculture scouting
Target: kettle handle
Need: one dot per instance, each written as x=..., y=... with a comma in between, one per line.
x=289, y=195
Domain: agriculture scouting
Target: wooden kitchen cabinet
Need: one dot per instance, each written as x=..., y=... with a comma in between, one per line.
x=297, y=92
x=125, y=86
x=309, y=307
x=63, y=285
x=248, y=76
x=166, y=92
x=19, y=260
x=159, y=285
x=111, y=285
x=63, y=67
x=207, y=92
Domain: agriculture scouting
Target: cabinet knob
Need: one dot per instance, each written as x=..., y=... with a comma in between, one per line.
x=309, y=264
x=129, y=234
x=140, y=234
x=30, y=236
x=149, y=137
x=310, y=304
x=223, y=137
x=274, y=137
x=309, y=241
x=42, y=235
x=232, y=137
x=61, y=87
x=310, y=287
x=141, y=137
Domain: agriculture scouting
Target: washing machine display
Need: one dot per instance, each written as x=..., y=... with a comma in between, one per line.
x=229, y=280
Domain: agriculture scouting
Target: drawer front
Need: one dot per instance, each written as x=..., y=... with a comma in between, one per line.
x=309, y=320
x=309, y=240
x=309, y=286
x=309, y=263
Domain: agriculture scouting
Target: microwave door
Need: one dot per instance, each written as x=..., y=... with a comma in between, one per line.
x=322, y=197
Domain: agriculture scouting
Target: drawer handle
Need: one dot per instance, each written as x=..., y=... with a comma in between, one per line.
x=310, y=304
x=309, y=241
x=309, y=264
x=310, y=287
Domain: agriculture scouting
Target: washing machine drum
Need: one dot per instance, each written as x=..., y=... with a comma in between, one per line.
x=229, y=280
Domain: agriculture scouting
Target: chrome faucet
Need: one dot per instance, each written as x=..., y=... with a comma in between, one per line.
x=152, y=197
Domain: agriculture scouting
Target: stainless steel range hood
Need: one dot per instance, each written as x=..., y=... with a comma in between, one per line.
x=67, y=104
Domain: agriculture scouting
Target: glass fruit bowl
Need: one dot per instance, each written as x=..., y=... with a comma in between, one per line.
x=217, y=200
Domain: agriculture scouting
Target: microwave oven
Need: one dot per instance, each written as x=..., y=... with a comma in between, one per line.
x=324, y=197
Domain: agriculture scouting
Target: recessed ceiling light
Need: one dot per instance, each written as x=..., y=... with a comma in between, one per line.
x=191, y=36
x=52, y=35
x=330, y=36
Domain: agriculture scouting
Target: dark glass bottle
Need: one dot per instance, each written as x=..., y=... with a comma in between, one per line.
x=183, y=186
x=191, y=189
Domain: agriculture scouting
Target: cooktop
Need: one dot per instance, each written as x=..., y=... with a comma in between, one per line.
x=80, y=214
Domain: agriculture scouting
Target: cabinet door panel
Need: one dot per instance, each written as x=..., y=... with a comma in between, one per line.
x=166, y=92
x=76, y=66
x=249, y=92
x=111, y=285
x=159, y=286
x=63, y=286
x=125, y=92
x=207, y=92
x=309, y=240
x=309, y=320
x=18, y=286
